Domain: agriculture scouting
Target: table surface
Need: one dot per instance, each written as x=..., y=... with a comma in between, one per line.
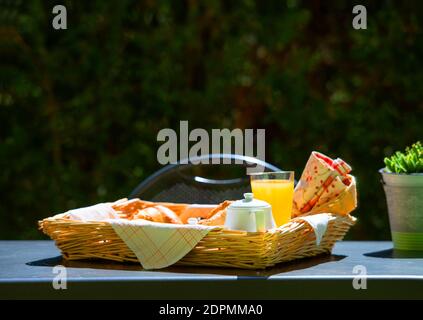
x=26, y=271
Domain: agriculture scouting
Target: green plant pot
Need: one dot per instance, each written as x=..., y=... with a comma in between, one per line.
x=404, y=196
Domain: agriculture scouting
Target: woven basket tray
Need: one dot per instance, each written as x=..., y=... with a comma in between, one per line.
x=222, y=248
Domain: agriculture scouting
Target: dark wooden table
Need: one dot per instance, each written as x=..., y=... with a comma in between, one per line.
x=26, y=271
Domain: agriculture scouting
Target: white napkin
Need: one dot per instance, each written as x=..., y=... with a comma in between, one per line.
x=319, y=223
x=98, y=212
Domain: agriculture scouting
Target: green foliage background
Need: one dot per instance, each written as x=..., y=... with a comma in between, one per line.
x=80, y=108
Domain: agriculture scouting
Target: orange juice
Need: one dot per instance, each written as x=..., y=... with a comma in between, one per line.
x=279, y=194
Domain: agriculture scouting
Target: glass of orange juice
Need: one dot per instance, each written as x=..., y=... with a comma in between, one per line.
x=277, y=189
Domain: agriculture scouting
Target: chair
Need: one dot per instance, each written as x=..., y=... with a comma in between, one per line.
x=200, y=183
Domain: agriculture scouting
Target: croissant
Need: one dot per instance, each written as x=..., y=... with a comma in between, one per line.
x=158, y=213
x=171, y=212
x=128, y=208
x=217, y=216
x=196, y=211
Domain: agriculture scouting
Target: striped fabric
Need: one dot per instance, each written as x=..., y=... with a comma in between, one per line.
x=158, y=245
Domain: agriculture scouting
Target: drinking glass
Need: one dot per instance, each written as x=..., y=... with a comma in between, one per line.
x=277, y=189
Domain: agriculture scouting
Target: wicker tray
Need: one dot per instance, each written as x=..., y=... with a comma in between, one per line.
x=222, y=248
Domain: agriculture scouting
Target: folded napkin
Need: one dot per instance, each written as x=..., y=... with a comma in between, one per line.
x=159, y=245
x=325, y=186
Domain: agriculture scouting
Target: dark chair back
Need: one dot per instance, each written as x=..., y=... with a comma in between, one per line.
x=201, y=183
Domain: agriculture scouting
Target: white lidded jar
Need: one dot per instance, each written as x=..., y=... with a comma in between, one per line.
x=250, y=215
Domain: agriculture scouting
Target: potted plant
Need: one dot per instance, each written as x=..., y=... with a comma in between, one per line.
x=402, y=180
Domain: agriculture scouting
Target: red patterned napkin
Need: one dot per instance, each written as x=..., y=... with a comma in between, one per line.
x=325, y=186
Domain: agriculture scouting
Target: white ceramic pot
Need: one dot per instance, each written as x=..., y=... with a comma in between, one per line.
x=249, y=215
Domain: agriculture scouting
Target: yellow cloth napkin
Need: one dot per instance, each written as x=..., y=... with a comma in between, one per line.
x=158, y=245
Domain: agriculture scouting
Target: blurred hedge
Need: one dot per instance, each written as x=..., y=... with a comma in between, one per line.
x=80, y=108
